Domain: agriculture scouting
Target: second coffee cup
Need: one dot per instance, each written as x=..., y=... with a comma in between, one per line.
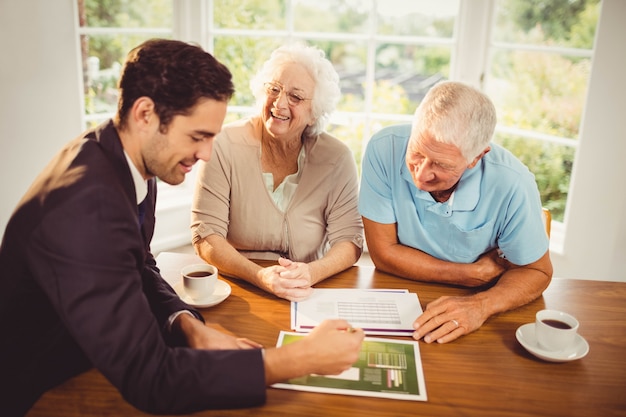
x=555, y=330
x=199, y=281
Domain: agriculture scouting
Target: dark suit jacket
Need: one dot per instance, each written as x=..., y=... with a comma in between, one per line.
x=80, y=288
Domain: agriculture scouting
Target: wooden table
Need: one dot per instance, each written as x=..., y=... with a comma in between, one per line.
x=486, y=373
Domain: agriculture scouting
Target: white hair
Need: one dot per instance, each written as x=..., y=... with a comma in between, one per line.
x=456, y=114
x=327, y=92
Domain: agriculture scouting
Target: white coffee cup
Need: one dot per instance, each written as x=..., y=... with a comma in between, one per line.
x=199, y=281
x=555, y=330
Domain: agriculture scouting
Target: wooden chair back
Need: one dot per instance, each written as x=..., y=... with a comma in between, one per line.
x=547, y=219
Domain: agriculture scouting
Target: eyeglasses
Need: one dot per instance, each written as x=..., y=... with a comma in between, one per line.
x=273, y=90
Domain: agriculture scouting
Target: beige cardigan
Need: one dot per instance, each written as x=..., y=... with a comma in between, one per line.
x=231, y=199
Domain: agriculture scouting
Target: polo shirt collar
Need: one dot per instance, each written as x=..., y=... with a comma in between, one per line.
x=465, y=196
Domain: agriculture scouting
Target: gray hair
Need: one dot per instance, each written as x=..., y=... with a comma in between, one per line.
x=456, y=114
x=327, y=92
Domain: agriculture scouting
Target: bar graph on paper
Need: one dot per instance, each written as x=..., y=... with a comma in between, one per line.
x=386, y=360
x=369, y=312
x=386, y=368
x=392, y=365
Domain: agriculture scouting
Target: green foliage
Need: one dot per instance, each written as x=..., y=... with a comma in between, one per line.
x=389, y=99
x=128, y=13
x=250, y=14
x=557, y=18
x=339, y=16
x=416, y=24
x=551, y=164
x=543, y=92
x=583, y=30
x=244, y=56
x=123, y=14
x=110, y=50
x=533, y=94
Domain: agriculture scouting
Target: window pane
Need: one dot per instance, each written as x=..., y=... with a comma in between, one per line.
x=540, y=87
x=352, y=128
x=380, y=78
x=349, y=16
x=531, y=92
x=128, y=13
x=417, y=17
x=250, y=14
x=103, y=57
x=244, y=56
x=128, y=23
x=551, y=164
x=233, y=116
x=349, y=60
x=407, y=72
x=567, y=23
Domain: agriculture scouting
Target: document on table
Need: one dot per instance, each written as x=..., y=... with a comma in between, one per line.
x=386, y=368
x=377, y=311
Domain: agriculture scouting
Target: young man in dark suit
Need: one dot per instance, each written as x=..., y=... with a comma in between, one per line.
x=81, y=289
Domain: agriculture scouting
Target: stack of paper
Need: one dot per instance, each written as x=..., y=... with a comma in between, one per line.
x=377, y=312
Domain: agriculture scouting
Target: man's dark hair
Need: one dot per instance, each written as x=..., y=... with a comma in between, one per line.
x=175, y=75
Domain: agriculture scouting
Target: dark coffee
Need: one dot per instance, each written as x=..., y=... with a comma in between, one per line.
x=199, y=274
x=556, y=323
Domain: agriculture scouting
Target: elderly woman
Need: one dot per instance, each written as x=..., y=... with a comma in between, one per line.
x=278, y=187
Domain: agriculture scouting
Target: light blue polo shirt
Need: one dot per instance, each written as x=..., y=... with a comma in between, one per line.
x=495, y=205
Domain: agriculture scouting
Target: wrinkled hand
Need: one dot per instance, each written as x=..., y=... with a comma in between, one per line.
x=490, y=266
x=201, y=336
x=448, y=318
x=334, y=346
x=289, y=280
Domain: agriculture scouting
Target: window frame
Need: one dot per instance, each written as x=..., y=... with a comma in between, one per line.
x=471, y=50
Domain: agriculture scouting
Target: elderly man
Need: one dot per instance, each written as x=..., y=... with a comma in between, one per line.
x=440, y=203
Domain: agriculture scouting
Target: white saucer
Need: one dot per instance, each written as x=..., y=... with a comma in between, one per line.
x=222, y=291
x=526, y=336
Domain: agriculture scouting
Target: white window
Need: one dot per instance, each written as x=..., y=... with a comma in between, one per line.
x=388, y=54
x=538, y=71
x=108, y=31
